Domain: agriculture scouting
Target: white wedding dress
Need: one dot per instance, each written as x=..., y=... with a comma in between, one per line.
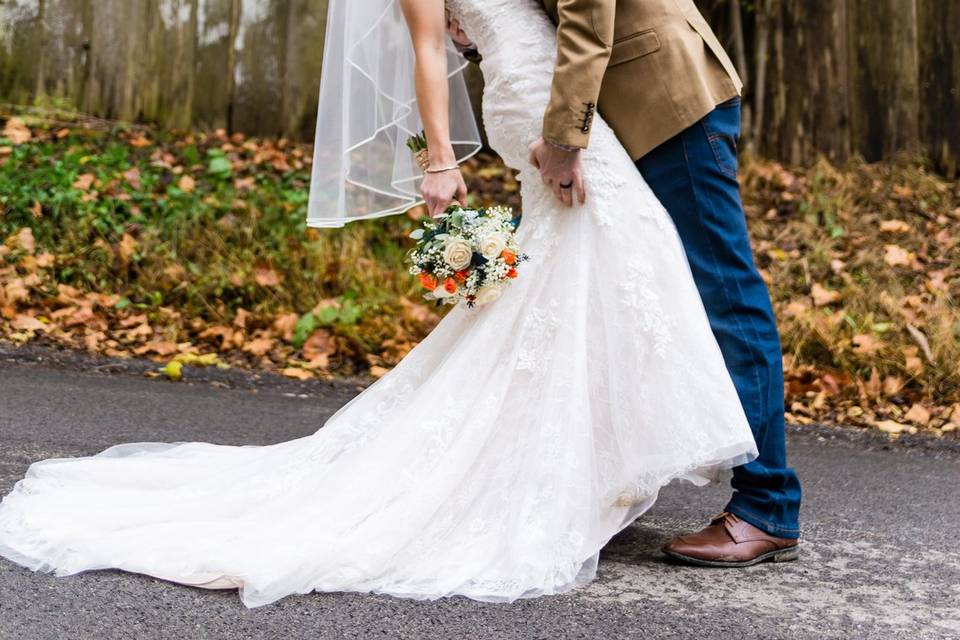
x=493, y=462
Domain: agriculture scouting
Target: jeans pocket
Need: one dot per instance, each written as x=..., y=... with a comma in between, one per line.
x=722, y=128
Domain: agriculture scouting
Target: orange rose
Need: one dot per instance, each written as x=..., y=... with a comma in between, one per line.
x=460, y=276
x=512, y=273
x=509, y=257
x=450, y=285
x=428, y=281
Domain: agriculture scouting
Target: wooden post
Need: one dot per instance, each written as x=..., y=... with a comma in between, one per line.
x=883, y=70
x=40, y=51
x=234, y=30
x=939, y=62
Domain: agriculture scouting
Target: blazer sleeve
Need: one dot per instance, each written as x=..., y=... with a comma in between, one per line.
x=584, y=44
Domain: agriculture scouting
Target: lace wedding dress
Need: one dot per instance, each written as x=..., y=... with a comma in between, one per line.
x=493, y=462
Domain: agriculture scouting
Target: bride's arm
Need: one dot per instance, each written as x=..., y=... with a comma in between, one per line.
x=427, y=22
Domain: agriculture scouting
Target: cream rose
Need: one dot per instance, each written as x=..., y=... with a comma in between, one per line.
x=492, y=245
x=457, y=253
x=488, y=294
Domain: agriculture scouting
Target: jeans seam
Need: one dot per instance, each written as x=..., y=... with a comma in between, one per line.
x=754, y=515
x=714, y=261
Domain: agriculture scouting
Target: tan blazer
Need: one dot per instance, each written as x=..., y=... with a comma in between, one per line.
x=651, y=67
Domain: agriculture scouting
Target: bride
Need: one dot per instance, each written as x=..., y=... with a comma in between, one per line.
x=497, y=459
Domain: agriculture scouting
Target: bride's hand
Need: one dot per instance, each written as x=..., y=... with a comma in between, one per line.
x=440, y=189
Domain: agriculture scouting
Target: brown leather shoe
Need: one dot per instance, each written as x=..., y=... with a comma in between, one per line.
x=731, y=542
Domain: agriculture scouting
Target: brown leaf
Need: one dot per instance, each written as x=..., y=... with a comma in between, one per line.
x=265, y=275
x=917, y=414
x=259, y=346
x=318, y=345
x=15, y=291
x=913, y=365
x=378, y=372
x=186, y=184
x=84, y=181
x=24, y=322
x=892, y=385
x=132, y=176
x=865, y=344
x=17, y=131
x=896, y=256
x=240, y=320
x=244, y=184
x=285, y=325
x=823, y=296
x=127, y=248
x=139, y=141
x=891, y=427
x=23, y=240
x=894, y=226
x=296, y=372
x=159, y=347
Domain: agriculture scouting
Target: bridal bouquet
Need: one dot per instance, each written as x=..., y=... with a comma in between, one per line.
x=466, y=254
x=463, y=254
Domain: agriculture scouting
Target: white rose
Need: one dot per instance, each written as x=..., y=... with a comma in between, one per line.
x=488, y=294
x=457, y=253
x=492, y=245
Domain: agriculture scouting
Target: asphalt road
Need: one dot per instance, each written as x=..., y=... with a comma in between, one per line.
x=879, y=558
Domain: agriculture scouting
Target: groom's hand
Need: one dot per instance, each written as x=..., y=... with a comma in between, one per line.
x=559, y=170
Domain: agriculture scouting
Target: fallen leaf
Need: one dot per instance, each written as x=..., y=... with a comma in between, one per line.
x=318, y=345
x=259, y=346
x=890, y=426
x=896, y=256
x=132, y=176
x=244, y=184
x=127, y=248
x=139, y=141
x=865, y=344
x=894, y=226
x=297, y=373
x=186, y=184
x=84, y=181
x=23, y=240
x=266, y=276
x=917, y=414
x=286, y=324
x=28, y=323
x=17, y=131
x=823, y=296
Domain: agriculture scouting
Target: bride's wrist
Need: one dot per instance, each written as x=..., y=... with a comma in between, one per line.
x=442, y=156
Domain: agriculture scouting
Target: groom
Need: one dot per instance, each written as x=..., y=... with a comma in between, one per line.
x=661, y=79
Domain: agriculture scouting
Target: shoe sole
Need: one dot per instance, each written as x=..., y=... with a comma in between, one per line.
x=779, y=555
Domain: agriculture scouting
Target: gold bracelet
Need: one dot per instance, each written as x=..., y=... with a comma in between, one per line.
x=443, y=170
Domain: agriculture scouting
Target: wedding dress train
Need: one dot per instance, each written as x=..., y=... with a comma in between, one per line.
x=493, y=462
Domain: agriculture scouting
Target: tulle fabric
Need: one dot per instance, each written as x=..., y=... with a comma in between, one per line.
x=367, y=110
x=493, y=462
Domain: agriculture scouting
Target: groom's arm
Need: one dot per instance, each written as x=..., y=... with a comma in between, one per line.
x=584, y=43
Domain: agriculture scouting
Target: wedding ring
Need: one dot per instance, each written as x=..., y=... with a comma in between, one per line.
x=566, y=185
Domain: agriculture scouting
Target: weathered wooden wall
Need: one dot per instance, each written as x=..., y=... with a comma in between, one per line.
x=251, y=65
x=838, y=77
x=831, y=77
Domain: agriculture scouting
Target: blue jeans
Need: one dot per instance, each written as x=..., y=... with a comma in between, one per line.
x=694, y=175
